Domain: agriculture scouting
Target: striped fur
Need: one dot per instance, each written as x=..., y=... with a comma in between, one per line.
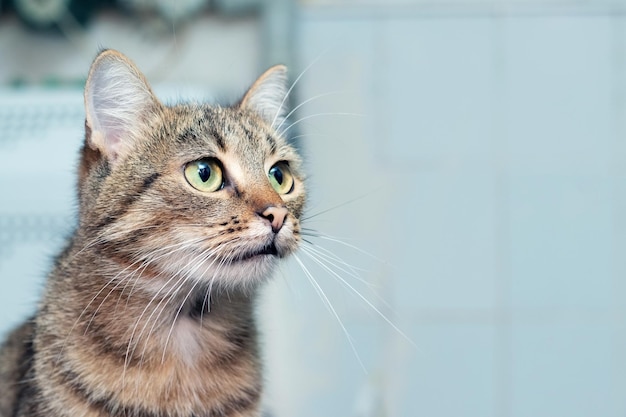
x=148, y=311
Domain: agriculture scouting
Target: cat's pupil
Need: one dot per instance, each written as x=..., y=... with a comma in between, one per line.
x=204, y=171
x=278, y=175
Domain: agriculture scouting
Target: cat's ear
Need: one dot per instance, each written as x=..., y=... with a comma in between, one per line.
x=268, y=95
x=117, y=101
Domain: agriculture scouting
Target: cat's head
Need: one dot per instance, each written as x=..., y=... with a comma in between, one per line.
x=190, y=191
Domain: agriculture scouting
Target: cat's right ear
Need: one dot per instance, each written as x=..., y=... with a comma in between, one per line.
x=268, y=94
x=117, y=101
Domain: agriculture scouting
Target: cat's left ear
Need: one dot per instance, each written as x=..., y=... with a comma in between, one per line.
x=268, y=95
x=118, y=101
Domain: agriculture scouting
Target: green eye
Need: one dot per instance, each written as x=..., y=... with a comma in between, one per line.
x=281, y=178
x=204, y=175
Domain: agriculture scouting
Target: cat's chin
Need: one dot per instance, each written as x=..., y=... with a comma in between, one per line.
x=242, y=265
x=249, y=271
x=245, y=271
x=258, y=254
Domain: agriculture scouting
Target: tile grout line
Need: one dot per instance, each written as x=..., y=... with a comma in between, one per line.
x=617, y=155
x=503, y=347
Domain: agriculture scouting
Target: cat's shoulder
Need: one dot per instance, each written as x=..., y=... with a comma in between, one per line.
x=16, y=355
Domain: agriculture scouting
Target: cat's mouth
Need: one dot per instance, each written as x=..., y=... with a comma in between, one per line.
x=269, y=249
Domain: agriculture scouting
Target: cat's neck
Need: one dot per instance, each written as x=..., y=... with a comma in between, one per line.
x=159, y=346
x=160, y=303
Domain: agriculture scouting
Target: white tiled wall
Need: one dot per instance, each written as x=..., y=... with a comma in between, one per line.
x=477, y=151
x=39, y=138
x=492, y=149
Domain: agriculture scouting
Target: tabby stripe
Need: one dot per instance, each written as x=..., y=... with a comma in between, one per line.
x=27, y=389
x=147, y=182
x=239, y=404
x=272, y=142
x=105, y=346
x=145, y=186
x=107, y=404
x=240, y=337
x=219, y=140
x=201, y=306
x=240, y=343
x=235, y=404
x=248, y=133
x=215, y=134
x=187, y=134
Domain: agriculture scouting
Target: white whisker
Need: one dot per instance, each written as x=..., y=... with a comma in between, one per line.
x=303, y=103
x=305, y=118
x=341, y=242
x=331, y=261
x=282, y=103
x=113, y=279
x=368, y=302
x=320, y=291
x=182, y=304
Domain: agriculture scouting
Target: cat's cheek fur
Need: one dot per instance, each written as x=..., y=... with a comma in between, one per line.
x=238, y=275
x=228, y=274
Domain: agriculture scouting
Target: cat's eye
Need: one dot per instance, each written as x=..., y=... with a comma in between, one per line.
x=205, y=175
x=281, y=178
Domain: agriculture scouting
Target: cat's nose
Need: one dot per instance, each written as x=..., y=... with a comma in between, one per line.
x=276, y=216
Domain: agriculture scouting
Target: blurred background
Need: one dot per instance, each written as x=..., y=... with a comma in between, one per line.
x=467, y=170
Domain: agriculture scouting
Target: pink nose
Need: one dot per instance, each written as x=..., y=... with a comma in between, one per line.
x=276, y=216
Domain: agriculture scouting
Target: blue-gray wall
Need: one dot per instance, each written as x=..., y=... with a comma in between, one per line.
x=483, y=144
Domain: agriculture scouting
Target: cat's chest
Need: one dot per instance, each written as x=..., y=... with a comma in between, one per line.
x=190, y=366
x=187, y=340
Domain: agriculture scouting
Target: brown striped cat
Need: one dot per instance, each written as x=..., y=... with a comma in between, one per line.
x=183, y=211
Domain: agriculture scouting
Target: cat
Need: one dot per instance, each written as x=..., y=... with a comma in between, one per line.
x=184, y=210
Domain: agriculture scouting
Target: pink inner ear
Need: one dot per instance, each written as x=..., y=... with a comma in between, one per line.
x=114, y=127
x=117, y=99
x=268, y=93
x=107, y=130
x=112, y=142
